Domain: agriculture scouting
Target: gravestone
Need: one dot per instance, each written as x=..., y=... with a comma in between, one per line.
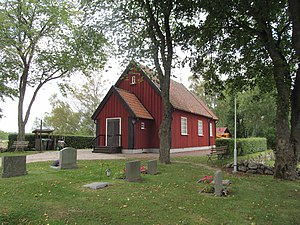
x=133, y=173
x=152, y=167
x=96, y=185
x=13, y=166
x=218, y=183
x=68, y=158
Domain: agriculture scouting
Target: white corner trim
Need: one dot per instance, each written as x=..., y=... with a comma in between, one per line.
x=173, y=150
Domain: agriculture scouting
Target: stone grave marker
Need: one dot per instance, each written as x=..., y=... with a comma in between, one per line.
x=218, y=183
x=133, y=173
x=13, y=166
x=68, y=158
x=152, y=167
x=96, y=185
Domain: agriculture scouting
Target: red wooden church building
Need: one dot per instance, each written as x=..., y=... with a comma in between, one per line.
x=129, y=117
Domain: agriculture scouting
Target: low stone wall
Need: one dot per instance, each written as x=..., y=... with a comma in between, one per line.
x=253, y=168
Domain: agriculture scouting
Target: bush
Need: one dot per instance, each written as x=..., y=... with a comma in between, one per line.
x=78, y=142
x=244, y=145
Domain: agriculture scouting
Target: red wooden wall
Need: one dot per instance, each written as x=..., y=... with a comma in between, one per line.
x=152, y=102
x=192, y=139
x=113, y=109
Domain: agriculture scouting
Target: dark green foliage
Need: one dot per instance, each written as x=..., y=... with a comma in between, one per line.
x=244, y=145
x=78, y=142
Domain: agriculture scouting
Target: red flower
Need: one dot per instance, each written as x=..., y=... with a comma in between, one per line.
x=206, y=179
x=143, y=169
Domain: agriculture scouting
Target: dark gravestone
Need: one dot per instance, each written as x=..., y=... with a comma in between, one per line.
x=152, y=167
x=68, y=158
x=13, y=166
x=133, y=173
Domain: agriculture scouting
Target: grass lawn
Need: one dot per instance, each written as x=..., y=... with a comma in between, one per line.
x=49, y=196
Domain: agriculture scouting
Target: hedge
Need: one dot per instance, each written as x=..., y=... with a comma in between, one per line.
x=244, y=145
x=78, y=142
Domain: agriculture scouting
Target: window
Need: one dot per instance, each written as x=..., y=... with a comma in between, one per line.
x=133, y=81
x=184, y=126
x=210, y=129
x=142, y=126
x=200, y=128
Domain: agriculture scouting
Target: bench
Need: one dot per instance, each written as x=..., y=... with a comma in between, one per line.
x=220, y=152
x=19, y=145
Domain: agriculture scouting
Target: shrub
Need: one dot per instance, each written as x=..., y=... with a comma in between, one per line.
x=79, y=142
x=244, y=145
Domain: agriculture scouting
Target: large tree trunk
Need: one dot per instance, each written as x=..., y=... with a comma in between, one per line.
x=295, y=119
x=162, y=52
x=285, y=167
x=294, y=8
x=165, y=134
x=22, y=91
x=285, y=156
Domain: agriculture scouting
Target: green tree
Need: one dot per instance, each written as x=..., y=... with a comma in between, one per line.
x=72, y=115
x=251, y=43
x=255, y=110
x=86, y=99
x=42, y=41
x=62, y=117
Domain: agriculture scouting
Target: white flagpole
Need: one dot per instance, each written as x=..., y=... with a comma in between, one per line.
x=235, y=150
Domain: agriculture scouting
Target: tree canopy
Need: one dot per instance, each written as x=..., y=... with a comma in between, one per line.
x=72, y=115
x=250, y=44
x=42, y=41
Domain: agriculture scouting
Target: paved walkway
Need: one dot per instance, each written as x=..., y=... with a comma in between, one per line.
x=87, y=154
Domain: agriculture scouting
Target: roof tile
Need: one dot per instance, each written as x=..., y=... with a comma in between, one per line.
x=135, y=105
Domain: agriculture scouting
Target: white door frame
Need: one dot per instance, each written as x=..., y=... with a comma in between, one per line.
x=113, y=118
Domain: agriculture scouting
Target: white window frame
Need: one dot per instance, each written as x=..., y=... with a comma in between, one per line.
x=200, y=128
x=210, y=130
x=142, y=126
x=133, y=79
x=183, y=126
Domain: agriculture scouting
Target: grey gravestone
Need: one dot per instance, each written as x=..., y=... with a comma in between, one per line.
x=68, y=158
x=133, y=173
x=96, y=185
x=218, y=182
x=152, y=167
x=13, y=166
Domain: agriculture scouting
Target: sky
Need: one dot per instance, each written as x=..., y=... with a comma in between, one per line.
x=112, y=71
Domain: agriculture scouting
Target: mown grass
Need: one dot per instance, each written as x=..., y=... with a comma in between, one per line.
x=48, y=196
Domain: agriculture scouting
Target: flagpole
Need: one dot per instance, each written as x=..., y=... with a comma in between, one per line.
x=235, y=150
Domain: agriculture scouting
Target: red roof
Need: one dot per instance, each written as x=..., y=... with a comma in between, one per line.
x=181, y=98
x=222, y=130
x=134, y=104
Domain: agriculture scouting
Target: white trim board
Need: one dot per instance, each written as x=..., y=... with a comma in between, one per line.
x=173, y=150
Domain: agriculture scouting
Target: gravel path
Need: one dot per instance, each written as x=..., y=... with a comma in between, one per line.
x=87, y=154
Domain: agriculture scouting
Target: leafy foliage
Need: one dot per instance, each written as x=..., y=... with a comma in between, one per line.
x=75, y=141
x=43, y=41
x=255, y=110
x=73, y=115
x=244, y=145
